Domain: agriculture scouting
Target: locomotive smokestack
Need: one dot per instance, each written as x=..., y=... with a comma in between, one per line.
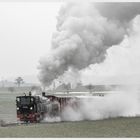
x=30, y=94
x=43, y=94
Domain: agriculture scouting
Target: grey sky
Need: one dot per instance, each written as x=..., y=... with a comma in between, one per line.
x=25, y=36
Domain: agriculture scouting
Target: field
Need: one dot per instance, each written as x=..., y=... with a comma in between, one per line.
x=115, y=127
x=118, y=127
x=7, y=103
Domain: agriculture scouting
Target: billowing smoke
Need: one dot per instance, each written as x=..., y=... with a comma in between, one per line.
x=122, y=59
x=83, y=35
x=122, y=63
x=121, y=11
x=122, y=104
x=97, y=43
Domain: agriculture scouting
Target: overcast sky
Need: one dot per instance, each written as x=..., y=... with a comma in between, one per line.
x=25, y=35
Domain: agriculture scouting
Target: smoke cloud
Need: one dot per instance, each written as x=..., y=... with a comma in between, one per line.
x=96, y=42
x=122, y=61
x=125, y=103
x=83, y=35
x=123, y=11
x=122, y=104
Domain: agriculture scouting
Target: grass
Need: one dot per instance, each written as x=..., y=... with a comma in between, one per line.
x=117, y=127
x=8, y=104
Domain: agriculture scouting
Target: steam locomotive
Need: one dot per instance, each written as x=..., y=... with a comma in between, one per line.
x=35, y=108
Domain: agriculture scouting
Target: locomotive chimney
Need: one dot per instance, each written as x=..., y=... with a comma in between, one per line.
x=30, y=94
x=43, y=94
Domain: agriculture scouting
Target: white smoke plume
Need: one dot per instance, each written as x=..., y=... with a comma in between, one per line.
x=123, y=104
x=97, y=46
x=122, y=61
x=121, y=11
x=72, y=77
x=83, y=35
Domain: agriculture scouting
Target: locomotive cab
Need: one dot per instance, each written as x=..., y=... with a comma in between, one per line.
x=25, y=104
x=29, y=108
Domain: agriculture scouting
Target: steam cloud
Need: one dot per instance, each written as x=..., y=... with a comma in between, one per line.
x=97, y=41
x=123, y=12
x=122, y=104
x=96, y=108
x=121, y=59
x=122, y=63
x=83, y=35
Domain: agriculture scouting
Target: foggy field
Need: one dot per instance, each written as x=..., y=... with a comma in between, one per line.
x=118, y=127
x=8, y=103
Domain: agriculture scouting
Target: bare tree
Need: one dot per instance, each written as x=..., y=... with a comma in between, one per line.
x=19, y=81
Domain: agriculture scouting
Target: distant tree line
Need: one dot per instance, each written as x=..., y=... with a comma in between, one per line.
x=19, y=81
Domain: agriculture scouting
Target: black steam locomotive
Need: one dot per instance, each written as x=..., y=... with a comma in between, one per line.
x=35, y=108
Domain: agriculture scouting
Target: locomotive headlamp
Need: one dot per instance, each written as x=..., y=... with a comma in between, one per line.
x=17, y=108
x=32, y=99
x=18, y=99
x=31, y=108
